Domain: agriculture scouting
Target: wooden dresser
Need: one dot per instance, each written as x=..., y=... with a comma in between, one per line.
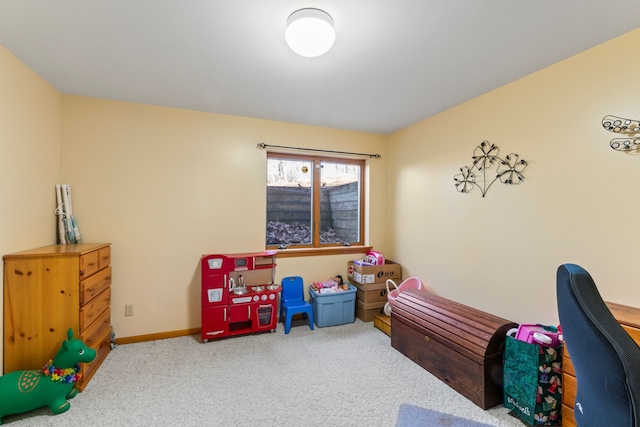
x=629, y=318
x=49, y=290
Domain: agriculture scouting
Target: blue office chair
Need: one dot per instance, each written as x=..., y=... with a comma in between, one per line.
x=292, y=301
x=605, y=357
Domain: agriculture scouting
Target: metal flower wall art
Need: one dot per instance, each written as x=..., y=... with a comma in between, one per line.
x=508, y=171
x=628, y=128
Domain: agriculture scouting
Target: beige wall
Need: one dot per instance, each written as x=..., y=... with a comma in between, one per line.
x=29, y=158
x=578, y=203
x=165, y=186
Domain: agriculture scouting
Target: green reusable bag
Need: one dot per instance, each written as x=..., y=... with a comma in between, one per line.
x=532, y=382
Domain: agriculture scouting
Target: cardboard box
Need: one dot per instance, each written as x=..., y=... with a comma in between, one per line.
x=370, y=305
x=367, y=311
x=333, y=308
x=374, y=273
x=368, y=315
x=371, y=296
x=368, y=287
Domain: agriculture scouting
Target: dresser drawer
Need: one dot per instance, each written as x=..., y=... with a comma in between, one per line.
x=569, y=388
x=92, y=334
x=102, y=347
x=567, y=364
x=104, y=257
x=634, y=332
x=568, y=419
x=89, y=264
x=90, y=312
x=95, y=284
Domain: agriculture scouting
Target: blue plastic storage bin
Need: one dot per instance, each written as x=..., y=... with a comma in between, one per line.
x=335, y=308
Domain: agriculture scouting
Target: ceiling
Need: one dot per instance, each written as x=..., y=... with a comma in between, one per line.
x=394, y=62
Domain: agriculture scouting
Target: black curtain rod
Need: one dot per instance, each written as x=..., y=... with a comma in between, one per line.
x=263, y=146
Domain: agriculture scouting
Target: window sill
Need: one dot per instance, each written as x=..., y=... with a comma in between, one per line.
x=334, y=250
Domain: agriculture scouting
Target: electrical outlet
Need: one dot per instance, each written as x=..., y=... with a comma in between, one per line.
x=128, y=310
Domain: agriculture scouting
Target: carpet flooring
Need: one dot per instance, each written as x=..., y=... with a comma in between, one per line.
x=342, y=376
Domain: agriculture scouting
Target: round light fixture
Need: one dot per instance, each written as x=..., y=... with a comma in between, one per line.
x=310, y=32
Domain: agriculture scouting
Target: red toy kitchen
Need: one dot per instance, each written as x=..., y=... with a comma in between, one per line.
x=239, y=295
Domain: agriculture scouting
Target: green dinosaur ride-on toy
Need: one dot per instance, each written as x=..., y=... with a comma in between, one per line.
x=51, y=386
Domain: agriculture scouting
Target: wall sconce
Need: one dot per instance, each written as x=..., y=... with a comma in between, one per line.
x=310, y=32
x=630, y=129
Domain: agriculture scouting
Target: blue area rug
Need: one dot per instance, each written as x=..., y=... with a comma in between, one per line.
x=415, y=416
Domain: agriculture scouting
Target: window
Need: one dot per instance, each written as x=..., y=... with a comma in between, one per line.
x=314, y=202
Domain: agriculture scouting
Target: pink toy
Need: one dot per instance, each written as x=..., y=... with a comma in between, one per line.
x=536, y=334
x=374, y=258
x=410, y=283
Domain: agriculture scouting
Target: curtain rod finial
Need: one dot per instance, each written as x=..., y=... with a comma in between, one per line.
x=262, y=145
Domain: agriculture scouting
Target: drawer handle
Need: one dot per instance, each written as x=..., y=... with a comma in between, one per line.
x=91, y=264
x=90, y=314
x=426, y=338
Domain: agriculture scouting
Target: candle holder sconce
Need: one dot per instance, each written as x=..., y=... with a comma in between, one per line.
x=627, y=127
x=509, y=170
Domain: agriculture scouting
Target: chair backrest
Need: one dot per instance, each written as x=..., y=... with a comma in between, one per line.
x=292, y=289
x=605, y=357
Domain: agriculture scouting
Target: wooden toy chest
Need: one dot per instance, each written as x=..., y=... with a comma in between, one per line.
x=460, y=345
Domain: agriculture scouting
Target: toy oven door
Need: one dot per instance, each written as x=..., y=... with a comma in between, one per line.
x=265, y=316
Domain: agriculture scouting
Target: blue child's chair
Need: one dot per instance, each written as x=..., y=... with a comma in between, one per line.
x=292, y=301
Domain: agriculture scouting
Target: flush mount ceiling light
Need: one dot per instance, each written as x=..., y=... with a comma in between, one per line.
x=310, y=32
